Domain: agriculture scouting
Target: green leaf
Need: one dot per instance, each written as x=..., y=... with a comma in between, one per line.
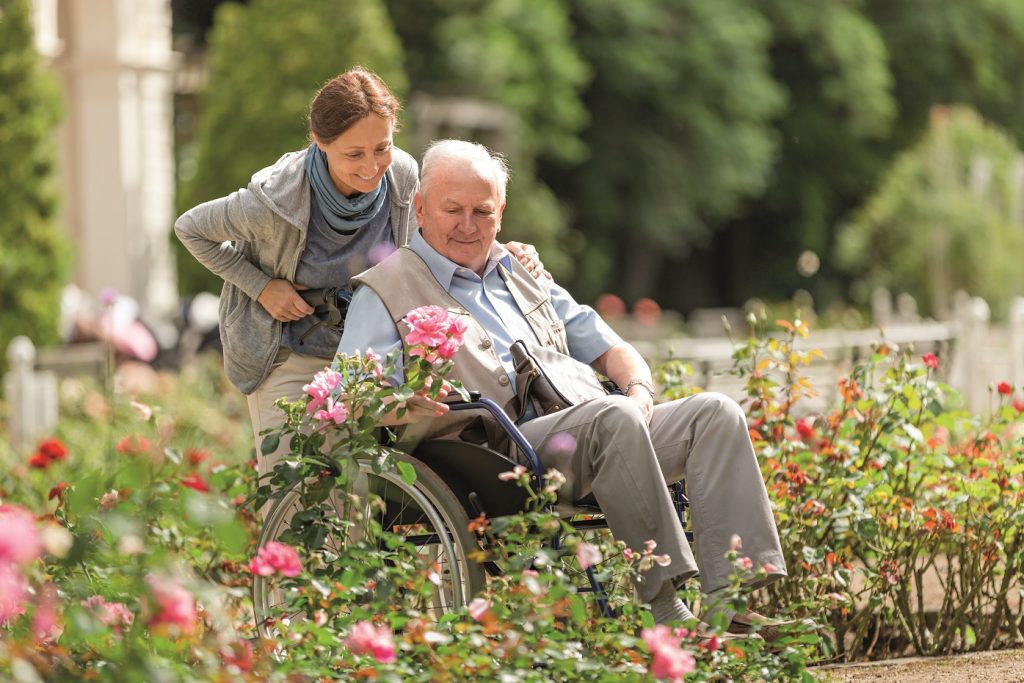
x=407, y=471
x=270, y=443
x=578, y=609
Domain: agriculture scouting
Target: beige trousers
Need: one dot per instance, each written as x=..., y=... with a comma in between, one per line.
x=291, y=371
x=625, y=463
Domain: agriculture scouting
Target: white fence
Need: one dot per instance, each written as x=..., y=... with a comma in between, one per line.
x=974, y=354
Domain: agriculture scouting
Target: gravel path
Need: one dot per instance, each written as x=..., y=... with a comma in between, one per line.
x=1005, y=666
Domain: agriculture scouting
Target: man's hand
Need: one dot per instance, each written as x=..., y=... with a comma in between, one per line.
x=644, y=399
x=528, y=256
x=420, y=407
x=281, y=300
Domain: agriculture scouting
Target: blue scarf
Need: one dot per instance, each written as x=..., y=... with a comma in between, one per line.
x=343, y=214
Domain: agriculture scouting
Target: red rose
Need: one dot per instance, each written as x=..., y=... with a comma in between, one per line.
x=57, y=491
x=53, y=449
x=196, y=456
x=805, y=428
x=1004, y=388
x=39, y=461
x=133, y=445
x=196, y=483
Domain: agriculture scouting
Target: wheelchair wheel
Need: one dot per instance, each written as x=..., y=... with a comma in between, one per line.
x=425, y=513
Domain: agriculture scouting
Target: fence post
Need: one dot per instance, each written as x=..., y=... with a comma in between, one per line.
x=1017, y=343
x=970, y=372
x=31, y=396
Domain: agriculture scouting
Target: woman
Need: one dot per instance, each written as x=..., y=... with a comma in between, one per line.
x=313, y=219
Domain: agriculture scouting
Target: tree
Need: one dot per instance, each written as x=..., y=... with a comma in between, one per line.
x=948, y=215
x=682, y=102
x=517, y=54
x=34, y=259
x=266, y=61
x=861, y=78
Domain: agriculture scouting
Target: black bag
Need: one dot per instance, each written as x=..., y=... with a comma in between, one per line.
x=330, y=305
x=573, y=383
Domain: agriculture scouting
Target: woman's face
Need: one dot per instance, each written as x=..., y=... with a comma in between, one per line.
x=358, y=158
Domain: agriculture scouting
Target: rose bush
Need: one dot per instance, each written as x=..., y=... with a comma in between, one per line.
x=129, y=554
x=899, y=512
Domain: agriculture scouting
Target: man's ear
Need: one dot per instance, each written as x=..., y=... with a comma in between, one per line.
x=501, y=212
x=417, y=202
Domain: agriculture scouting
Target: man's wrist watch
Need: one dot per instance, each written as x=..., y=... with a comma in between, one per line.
x=638, y=382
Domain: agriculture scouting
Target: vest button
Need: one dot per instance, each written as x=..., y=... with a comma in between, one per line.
x=503, y=380
x=485, y=344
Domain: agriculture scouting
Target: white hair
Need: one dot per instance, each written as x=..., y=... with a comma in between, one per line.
x=441, y=151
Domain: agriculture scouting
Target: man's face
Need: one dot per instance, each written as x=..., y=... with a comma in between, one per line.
x=460, y=212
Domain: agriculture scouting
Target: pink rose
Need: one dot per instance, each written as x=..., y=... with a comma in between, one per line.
x=46, y=622
x=12, y=593
x=930, y=360
x=276, y=557
x=428, y=326
x=324, y=382
x=588, y=555
x=19, y=538
x=366, y=639
x=334, y=412
x=174, y=604
x=448, y=348
x=479, y=608
x=668, y=660
x=113, y=614
x=514, y=474
x=374, y=360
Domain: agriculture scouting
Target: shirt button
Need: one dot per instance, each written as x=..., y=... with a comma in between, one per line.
x=485, y=344
x=503, y=380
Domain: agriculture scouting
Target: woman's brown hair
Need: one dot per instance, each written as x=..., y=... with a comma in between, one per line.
x=348, y=98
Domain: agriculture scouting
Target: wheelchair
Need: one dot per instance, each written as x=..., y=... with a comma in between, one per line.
x=456, y=481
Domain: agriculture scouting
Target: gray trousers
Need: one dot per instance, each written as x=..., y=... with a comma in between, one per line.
x=291, y=371
x=625, y=464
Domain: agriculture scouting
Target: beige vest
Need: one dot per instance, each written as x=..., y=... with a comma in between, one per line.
x=403, y=282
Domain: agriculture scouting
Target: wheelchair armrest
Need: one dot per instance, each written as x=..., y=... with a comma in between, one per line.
x=478, y=402
x=455, y=399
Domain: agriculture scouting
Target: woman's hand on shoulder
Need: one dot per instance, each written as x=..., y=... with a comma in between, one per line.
x=528, y=256
x=282, y=301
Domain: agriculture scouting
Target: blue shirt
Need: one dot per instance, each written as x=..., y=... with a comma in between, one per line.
x=488, y=300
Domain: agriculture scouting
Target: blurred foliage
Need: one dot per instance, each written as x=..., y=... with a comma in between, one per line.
x=518, y=54
x=678, y=137
x=34, y=259
x=862, y=77
x=266, y=61
x=948, y=215
x=686, y=150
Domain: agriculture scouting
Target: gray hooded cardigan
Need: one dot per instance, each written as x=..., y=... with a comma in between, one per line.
x=257, y=234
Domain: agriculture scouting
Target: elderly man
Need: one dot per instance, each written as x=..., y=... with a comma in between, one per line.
x=626, y=448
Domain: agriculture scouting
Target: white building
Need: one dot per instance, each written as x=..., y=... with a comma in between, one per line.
x=116, y=156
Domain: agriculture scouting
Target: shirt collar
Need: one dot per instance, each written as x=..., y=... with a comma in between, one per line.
x=444, y=269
